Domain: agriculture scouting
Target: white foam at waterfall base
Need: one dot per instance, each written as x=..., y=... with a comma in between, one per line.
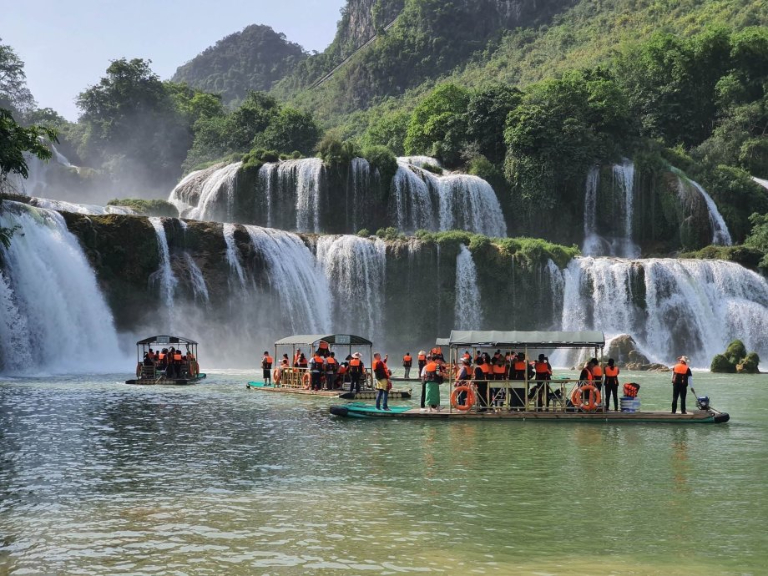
x=91, y=209
x=233, y=255
x=63, y=323
x=296, y=278
x=216, y=196
x=691, y=307
x=355, y=270
x=468, y=314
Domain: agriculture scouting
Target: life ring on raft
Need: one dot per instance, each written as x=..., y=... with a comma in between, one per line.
x=138, y=370
x=469, y=400
x=276, y=376
x=194, y=368
x=593, y=401
x=306, y=381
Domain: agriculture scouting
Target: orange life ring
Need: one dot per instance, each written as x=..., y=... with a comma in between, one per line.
x=138, y=370
x=276, y=376
x=593, y=402
x=470, y=398
x=306, y=381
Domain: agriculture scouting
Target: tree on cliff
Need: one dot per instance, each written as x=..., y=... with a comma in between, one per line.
x=14, y=94
x=15, y=141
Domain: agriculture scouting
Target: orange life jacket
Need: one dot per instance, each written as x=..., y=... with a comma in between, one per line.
x=354, y=365
x=498, y=369
x=520, y=365
x=407, y=360
x=680, y=369
x=467, y=356
x=485, y=368
x=331, y=360
x=342, y=369
x=161, y=356
x=542, y=368
x=432, y=372
x=422, y=357
x=597, y=372
x=177, y=357
x=611, y=372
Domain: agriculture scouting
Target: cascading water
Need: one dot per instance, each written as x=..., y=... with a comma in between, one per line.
x=720, y=233
x=671, y=307
x=355, y=269
x=186, y=194
x=467, y=311
x=419, y=161
x=233, y=256
x=308, y=173
x=93, y=209
x=617, y=240
x=54, y=317
x=196, y=279
x=290, y=193
x=469, y=203
x=164, y=275
x=216, y=196
x=413, y=199
x=358, y=191
x=295, y=277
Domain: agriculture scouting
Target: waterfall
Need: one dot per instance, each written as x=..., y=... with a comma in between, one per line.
x=358, y=192
x=307, y=177
x=216, y=198
x=355, y=271
x=37, y=170
x=760, y=181
x=290, y=193
x=414, y=197
x=233, y=255
x=616, y=239
x=54, y=317
x=671, y=307
x=469, y=203
x=422, y=200
x=419, y=161
x=164, y=274
x=196, y=279
x=294, y=275
x=62, y=206
x=186, y=194
x=720, y=233
x=468, y=308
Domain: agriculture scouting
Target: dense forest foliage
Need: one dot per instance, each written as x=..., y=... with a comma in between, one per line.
x=253, y=59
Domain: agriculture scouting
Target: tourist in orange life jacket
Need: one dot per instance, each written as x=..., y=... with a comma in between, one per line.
x=266, y=367
x=597, y=373
x=433, y=375
x=177, y=362
x=323, y=349
x=422, y=361
x=611, y=384
x=681, y=376
x=331, y=368
x=498, y=370
x=482, y=375
x=585, y=377
x=543, y=374
x=381, y=375
x=520, y=366
x=355, y=372
x=296, y=357
x=423, y=399
x=302, y=362
x=317, y=370
x=467, y=356
x=407, y=363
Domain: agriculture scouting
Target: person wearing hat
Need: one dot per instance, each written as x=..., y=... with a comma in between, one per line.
x=266, y=366
x=681, y=375
x=355, y=372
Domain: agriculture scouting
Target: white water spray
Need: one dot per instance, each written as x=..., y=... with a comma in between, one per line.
x=468, y=308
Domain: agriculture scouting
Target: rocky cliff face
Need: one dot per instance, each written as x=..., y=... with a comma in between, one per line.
x=361, y=20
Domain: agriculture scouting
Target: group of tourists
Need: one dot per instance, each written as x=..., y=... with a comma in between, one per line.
x=171, y=361
x=324, y=369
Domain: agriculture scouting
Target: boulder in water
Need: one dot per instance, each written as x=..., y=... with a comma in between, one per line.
x=623, y=349
x=736, y=360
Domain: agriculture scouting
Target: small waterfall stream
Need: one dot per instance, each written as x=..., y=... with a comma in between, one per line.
x=468, y=311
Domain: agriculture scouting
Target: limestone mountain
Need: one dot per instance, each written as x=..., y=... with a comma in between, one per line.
x=253, y=59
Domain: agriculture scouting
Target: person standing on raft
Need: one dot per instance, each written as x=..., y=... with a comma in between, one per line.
x=681, y=376
x=317, y=371
x=612, y=384
x=266, y=366
x=407, y=363
x=433, y=375
x=381, y=375
x=355, y=372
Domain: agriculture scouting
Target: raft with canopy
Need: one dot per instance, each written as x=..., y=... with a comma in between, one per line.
x=296, y=380
x=179, y=369
x=519, y=396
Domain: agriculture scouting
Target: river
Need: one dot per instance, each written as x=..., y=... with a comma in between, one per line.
x=102, y=478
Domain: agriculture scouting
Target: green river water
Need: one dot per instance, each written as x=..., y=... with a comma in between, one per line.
x=98, y=477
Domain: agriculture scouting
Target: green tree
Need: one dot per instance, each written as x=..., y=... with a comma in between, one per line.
x=486, y=117
x=438, y=125
x=388, y=130
x=14, y=94
x=15, y=141
x=132, y=127
x=290, y=130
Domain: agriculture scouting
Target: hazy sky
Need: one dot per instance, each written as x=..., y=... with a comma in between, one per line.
x=66, y=45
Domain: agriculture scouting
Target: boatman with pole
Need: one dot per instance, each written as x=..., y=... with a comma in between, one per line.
x=681, y=376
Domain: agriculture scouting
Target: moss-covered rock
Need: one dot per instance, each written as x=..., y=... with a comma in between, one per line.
x=735, y=351
x=735, y=359
x=721, y=364
x=750, y=364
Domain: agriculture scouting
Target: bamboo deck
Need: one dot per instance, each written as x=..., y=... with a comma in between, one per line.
x=693, y=417
x=345, y=394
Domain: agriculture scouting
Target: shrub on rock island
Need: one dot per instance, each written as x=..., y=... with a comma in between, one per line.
x=722, y=365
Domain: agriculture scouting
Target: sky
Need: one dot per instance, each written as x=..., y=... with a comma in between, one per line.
x=66, y=45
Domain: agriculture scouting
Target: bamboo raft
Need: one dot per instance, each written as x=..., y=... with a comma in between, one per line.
x=357, y=410
x=365, y=394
